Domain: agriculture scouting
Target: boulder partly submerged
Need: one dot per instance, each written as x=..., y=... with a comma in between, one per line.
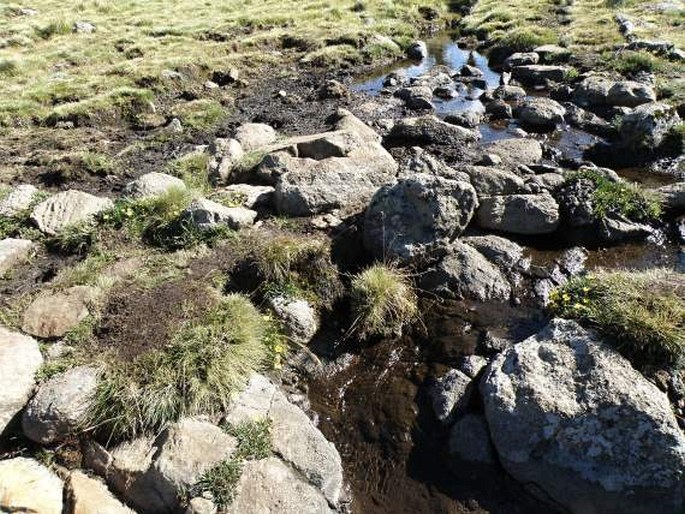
x=570, y=415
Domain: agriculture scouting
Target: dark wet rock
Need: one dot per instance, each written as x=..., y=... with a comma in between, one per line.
x=450, y=395
x=478, y=83
x=467, y=273
x=520, y=59
x=542, y=114
x=468, y=119
x=498, y=110
x=516, y=151
x=509, y=93
x=525, y=214
x=20, y=359
x=470, y=71
x=421, y=161
x=490, y=159
x=333, y=89
x=647, y=127
x=539, y=73
x=417, y=50
x=588, y=121
x=430, y=130
x=673, y=196
x=58, y=409
x=575, y=203
x=418, y=217
x=489, y=181
x=570, y=415
x=445, y=92
x=470, y=440
x=416, y=97
x=592, y=91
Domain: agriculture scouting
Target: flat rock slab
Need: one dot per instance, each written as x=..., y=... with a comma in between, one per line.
x=519, y=214
x=516, y=151
x=20, y=358
x=68, y=208
x=14, y=252
x=27, y=486
x=53, y=315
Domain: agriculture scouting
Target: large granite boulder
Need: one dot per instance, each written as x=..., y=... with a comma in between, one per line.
x=53, y=315
x=515, y=151
x=569, y=415
x=519, y=214
x=418, y=216
x=647, y=127
x=71, y=207
x=27, y=486
x=152, y=185
x=542, y=114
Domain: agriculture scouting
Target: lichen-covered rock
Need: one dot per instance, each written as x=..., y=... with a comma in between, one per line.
x=417, y=217
x=297, y=316
x=450, y=395
x=247, y=195
x=491, y=181
x=432, y=131
x=29, y=487
x=269, y=485
x=502, y=252
x=539, y=73
x=647, y=126
x=14, y=252
x=60, y=404
x=206, y=215
x=20, y=358
x=519, y=214
x=71, y=207
x=570, y=415
x=521, y=59
x=542, y=114
x=224, y=154
x=152, y=185
x=516, y=151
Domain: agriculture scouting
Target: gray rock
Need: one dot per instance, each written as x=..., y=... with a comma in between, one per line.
x=542, y=113
x=20, y=358
x=585, y=120
x=592, y=91
x=14, y=252
x=629, y=93
x=59, y=406
x=84, y=27
x=29, y=487
x=416, y=97
x=206, y=214
x=252, y=136
x=466, y=273
x=152, y=185
x=516, y=151
x=472, y=365
x=539, y=73
x=201, y=505
x=570, y=415
x=246, y=195
x=545, y=182
x=125, y=465
x=268, y=485
x=519, y=214
x=297, y=316
x=422, y=162
x=224, y=155
x=295, y=438
x=509, y=93
x=417, y=50
x=521, y=59
x=18, y=200
x=616, y=230
x=470, y=440
x=84, y=494
x=417, y=217
x=154, y=478
x=467, y=119
x=647, y=126
x=68, y=208
x=450, y=395
x=502, y=252
x=53, y=315
x=499, y=110
x=489, y=181
x=431, y=130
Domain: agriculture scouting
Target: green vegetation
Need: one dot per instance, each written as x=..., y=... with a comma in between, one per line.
x=643, y=313
x=630, y=63
x=254, y=443
x=622, y=198
x=383, y=301
x=204, y=364
x=192, y=169
x=200, y=115
x=297, y=266
x=675, y=141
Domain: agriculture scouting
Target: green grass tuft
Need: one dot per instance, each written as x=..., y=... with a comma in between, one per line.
x=383, y=301
x=642, y=313
x=206, y=362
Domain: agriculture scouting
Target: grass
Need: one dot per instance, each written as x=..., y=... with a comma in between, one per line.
x=192, y=169
x=626, y=199
x=254, y=443
x=296, y=266
x=631, y=63
x=205, y=363
x=200, y=115
x=383, y=301
x=642, y=313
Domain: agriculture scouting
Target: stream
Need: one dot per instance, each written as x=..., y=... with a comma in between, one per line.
x=371, y=400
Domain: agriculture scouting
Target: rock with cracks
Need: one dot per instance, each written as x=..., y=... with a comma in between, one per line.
x=68, y=208
x=418, y=217
x=571, y=416
x=519, y=214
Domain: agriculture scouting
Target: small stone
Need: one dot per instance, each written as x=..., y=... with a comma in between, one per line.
x=491, y=159
x=450, y=395
x=417, y=51
x=84, y=27
x=298, y=317
x=18, y=200
x=152, y=185
x=14, y=252
x=252, y=136
x=224, y=155
x=472, y=365
x=53, y=315
x=246, y=195
x=206, y=214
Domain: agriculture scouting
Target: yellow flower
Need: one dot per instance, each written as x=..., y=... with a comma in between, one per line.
x=586, y=289
x=566, y=297
x=279, y=348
